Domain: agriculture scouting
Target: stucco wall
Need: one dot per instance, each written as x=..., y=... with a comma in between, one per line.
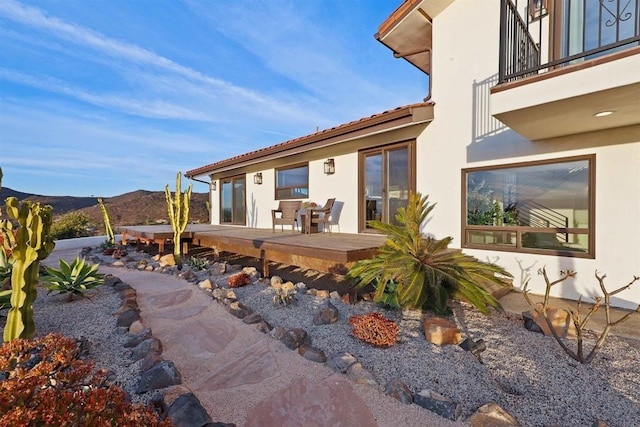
x=463, y=135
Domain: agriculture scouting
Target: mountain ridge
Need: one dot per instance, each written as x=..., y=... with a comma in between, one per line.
x=138, y=207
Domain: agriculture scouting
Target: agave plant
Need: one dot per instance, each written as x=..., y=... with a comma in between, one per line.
x=426, y=273
x=73, y=279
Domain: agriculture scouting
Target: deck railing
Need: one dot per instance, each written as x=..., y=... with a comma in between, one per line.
x=577, y=30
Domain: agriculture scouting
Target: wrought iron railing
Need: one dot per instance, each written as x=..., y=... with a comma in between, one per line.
x=577, y=30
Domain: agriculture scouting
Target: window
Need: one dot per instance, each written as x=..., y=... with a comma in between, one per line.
x=542, y=207
x=292, y=182
x=537, y=9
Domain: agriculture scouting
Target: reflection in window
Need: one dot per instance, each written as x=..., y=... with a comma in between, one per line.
x=540, y=206
x=292, y=183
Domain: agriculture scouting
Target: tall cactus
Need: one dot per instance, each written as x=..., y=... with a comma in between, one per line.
x=178, y=215
x=33, y=243
x=107, y=224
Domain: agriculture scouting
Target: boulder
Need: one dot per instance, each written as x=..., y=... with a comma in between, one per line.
x=441, y=331
x=328, y=314
x=146, y=347
x=359, y=375
x=441, y=405
x=162, y=374
x=136, y=327
x=111, y=280
x=149, y=361
x=239, y=310
x=312, y=353
x=295, y=337
x=187, y=411
x=340, y=362
x=264, y=326
x=136, y=339
x=127, y=318
x=167, y=261
x=205, y=284
x=399, y=391
x=492, y=415
x=252, y=318
x=560, y=319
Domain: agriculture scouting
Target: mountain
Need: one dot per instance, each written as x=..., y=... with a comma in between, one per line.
x=136, y=208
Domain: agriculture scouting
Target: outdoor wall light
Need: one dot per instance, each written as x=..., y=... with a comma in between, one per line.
x=329, y=167
x=257, y=178
x=474, y=347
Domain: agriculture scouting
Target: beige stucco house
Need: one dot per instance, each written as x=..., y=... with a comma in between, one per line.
x=529, y=141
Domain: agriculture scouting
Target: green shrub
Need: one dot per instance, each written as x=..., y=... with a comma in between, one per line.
x=427, y=273
x=71, y=225
x=74, y=279
x=47, y=384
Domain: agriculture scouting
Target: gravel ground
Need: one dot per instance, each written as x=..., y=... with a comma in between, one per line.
x=526, y=373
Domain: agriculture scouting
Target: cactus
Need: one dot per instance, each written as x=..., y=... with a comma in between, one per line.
x=33, y=243
x=111, y=239
x=178, y=215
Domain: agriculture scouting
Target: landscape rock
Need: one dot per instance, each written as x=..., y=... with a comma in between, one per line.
x=121, y=286
x=136, y=327
x=167, y=261
x=127, y=318
x=276, y=280
x=359, y=375
x=264, y=326
x=218, y=268
x=340, y=362
x=560, y=319
x=312, y=292
x=322, y=293
x=328, y=314
x=162, y=374
x=149, y=361
x=492, y=415
x=441, y=331
x=187, y=275
x=399, y=391
x=205, y=284
x=441, y=405
x=251, y=272
x=128, y=293
x=146, y=347
x=187, y=411
x=128, y=304
x=118, y=264
x=111, y=280
x=295, y=337
x=252, y=318
x=136, y=339
x=334, y=295
x=312, y=353
x=239, y=310
x=278, y=333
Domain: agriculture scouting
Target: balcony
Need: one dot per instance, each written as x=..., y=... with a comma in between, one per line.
x=568, y=66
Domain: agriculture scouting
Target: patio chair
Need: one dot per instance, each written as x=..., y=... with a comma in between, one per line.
x=286, y=214
x=321, y=216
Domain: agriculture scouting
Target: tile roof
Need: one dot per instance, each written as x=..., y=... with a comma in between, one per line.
x=319, y=136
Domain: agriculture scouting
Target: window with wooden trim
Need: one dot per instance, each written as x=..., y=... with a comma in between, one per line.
x=544, y=207
x=292, y=182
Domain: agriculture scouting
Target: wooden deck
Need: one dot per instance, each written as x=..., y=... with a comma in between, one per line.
x=328, y=253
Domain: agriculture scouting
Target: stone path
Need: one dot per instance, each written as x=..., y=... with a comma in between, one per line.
x=243, y=376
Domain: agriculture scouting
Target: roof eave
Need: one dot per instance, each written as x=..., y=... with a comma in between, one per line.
x=385, y=122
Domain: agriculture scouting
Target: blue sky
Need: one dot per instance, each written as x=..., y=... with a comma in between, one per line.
x=104, y=97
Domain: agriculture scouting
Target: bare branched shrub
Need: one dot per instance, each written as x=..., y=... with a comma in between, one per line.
x=576, y=316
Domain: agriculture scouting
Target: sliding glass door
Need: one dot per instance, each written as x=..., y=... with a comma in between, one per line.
x=387, y=176
x=233, y=201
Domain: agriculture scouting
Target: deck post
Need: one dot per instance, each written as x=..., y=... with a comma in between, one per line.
x=265, y=264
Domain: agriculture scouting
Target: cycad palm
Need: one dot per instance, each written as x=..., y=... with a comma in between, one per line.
x=427, y=273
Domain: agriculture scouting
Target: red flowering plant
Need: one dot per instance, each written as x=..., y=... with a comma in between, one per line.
x=45, y=382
